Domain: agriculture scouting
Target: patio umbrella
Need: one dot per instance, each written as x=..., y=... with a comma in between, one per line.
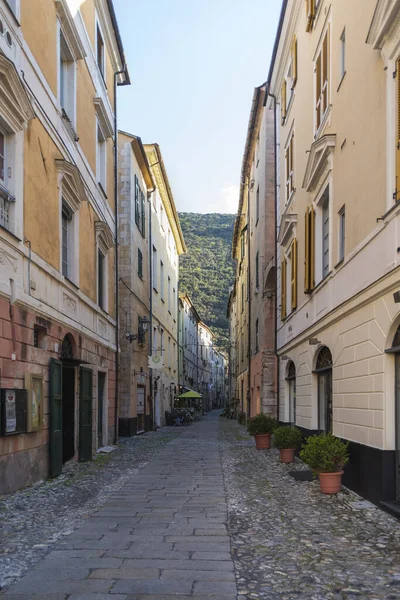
x=190, y=394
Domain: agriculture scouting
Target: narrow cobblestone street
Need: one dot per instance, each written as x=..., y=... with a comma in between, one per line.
x=198, y=513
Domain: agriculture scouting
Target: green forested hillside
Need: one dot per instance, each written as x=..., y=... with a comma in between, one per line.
x=207, y=270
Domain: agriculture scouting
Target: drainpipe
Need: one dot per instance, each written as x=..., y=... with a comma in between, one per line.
x=125, y=82
x=151, y=304
x=276, y=255
x=29, y=264
x=249, y=301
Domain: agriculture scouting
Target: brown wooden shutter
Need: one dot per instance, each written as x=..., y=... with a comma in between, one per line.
x=310, y=14
x=283, y=101
x=283, y=289
x=291, y=164
x=397, y=189
x=294, y=62
x=312, y=248
x=293, y=275
x=307, y=251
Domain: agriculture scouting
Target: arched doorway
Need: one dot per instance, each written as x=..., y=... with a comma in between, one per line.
x=68, y=397
x=291, y=379
x=323, y=370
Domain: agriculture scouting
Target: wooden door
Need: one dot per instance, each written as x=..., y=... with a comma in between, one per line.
x=85, y=415
x=56, y=444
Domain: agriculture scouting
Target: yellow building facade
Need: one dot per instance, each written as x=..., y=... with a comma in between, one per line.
x=57, y=233
x=334, y=88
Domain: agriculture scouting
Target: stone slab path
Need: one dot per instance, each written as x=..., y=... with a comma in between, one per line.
x=163, y=535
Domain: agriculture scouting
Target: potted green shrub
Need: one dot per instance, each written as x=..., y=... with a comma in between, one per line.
x=287, y=439
x=326, y=455
x=261, y=426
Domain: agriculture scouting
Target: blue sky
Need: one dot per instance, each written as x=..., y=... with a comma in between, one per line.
x=193, y=66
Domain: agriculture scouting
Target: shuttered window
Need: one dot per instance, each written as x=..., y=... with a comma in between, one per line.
x=289, y=168
x=143, y=215
x=294, y=61
x=283, y=101
x=397, y=190
x=325, y=239
x=293, y=275
x=322, y=81
x=137, y=202
x=310, y=14
x=309, y=237
x=283, y=288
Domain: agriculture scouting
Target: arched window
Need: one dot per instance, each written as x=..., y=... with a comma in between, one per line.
x=323, y=370
x=291, y=379
x=67, y=347
x=396, y=339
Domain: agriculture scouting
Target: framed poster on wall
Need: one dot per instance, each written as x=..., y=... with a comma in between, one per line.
x=13, y=411
x=34, y=401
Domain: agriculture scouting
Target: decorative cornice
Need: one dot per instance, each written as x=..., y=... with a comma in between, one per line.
x=105, y=122
x=69, y=28
x=15, y=105
x=286, y=227
x=317, y=160
x=385, y=15
x=104, y=236
x=73, y=187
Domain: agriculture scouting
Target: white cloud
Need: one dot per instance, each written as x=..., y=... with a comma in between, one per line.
x=228, y=200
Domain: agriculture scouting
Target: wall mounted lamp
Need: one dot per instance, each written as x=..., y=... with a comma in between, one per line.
x=142, y=330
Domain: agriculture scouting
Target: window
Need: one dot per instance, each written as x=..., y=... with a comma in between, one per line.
x=325, y=238
x=343, y=54
x=140, y=263
x=101, y=279
x=174, y=302
x=342, y=232
x=291, y=379
x=162, y=280
x=322, y=82
x=257, y=204
x=155, y=269
x=140, y=208
x=309, y=260
x=293, y=275
x=242, y=297
x=143, y=210
x=100, y=51
x=66, y=79
x=169, y=294
x=257, y=337
x=283, y=288
x=162, y=342
x=169, y=352
x=242, y=245
x=137, y=202
x=101, y=165
x=154, y=349
x=289, y=81
x=2, y=158
x=66, y=226
x=289, y=168
x=257, y=271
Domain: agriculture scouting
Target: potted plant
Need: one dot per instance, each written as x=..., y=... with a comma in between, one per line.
x=326, y=455
x=261, y=426
x=287, y=439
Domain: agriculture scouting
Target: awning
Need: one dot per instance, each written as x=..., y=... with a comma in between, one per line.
x=190, y=394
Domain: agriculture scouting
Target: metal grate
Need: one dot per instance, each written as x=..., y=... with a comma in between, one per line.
x=4, y=213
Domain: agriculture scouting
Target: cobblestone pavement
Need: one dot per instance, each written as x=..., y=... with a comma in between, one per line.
x=162, y=535
x=182, y=514
x=34, y=519
x=291, y=542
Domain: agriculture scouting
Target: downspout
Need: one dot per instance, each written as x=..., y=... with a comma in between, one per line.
x=125, y=82
x=29, y=265
x=276, y=258
x=249, y=302
x=151, y=306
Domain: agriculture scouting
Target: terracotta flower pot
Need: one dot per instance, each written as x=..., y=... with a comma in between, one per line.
x=330, y=483
x=263, y=441
x=287, y=454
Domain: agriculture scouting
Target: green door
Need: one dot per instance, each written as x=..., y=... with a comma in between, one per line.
x=85, y=415
x=56, y=445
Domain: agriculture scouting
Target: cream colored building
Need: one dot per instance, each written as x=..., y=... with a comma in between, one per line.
x=57, y=233
x=167, y=244
x=334, y=85
x=135, y=186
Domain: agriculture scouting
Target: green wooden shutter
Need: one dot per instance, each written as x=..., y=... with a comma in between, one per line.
x=143, y=207
x=137, y=202
x=85, y=415
x=55, y=417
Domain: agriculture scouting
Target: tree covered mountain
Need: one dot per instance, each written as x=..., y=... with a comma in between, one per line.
x=207, y=270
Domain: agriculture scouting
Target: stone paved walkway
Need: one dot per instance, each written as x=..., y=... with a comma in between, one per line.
x=210, y=517
x=161, y=535
x=291, y=542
